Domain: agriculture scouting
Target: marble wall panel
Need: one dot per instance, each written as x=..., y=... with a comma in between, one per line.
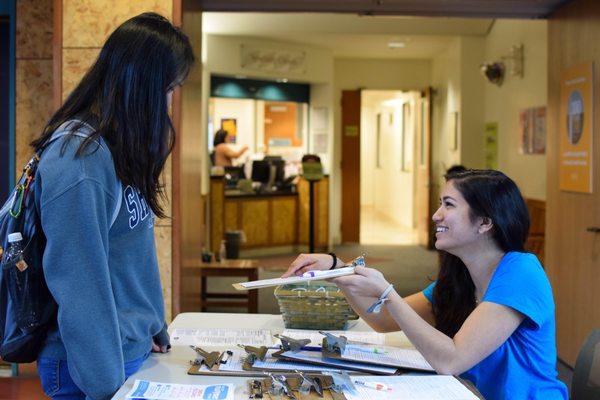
x=76, y=62
x=33, y=105
x=162, y=236
x=87, y=23
x=34, y=29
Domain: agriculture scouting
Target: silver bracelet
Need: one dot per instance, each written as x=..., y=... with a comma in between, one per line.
x=376, y=307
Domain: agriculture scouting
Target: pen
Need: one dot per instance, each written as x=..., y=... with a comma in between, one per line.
x=374, y=385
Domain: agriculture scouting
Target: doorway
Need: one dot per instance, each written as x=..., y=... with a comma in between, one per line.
x=388, y=167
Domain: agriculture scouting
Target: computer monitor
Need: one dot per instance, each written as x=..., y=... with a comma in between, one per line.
x=233, y=175
x=261, y=171
x=279, y=170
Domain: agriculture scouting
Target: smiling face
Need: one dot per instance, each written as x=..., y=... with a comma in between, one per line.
x=456, y=230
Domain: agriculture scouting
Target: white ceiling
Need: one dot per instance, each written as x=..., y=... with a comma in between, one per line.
x=350, y=36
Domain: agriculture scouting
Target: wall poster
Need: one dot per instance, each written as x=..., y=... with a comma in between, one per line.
x=532, y=126
x=575, y=129
x=491, y=145
x=230, y=125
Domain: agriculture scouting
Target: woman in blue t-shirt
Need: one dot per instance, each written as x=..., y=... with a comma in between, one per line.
x=489, y=317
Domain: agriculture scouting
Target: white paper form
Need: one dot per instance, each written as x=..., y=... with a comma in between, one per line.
x=221, y=337
x=409, y=387
x=316, y=357
x=316, y=338
x=387, y=355
x=170, y=391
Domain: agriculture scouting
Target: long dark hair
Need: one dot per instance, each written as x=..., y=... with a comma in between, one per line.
x=490, y=194
x=220, y=137
x=124, y=97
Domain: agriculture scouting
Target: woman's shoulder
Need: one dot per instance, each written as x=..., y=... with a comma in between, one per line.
x=521, y=272
x=62, y=163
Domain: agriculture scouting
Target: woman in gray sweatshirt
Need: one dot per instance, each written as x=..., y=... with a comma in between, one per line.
x=99, y=192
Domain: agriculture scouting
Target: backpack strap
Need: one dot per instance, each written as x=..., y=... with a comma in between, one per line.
x=66, y=129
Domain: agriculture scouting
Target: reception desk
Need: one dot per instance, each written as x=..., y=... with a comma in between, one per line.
x=269, y=219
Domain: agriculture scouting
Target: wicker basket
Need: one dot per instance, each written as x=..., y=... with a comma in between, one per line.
x=313, y=305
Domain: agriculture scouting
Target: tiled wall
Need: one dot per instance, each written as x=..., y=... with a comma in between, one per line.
x=33, y=74
x=86, y=25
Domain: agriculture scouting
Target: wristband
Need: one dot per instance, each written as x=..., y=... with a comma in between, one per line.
x=334, y=260
x=376, y=307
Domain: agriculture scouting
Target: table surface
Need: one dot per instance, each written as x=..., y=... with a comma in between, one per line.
x=173, y=366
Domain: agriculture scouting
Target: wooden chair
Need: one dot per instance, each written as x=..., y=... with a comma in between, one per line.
x=586, y=375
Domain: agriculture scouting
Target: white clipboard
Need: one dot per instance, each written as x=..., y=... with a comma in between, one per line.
x=321, y=275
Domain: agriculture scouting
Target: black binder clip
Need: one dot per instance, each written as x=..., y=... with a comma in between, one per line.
x=255, y=353
x=341, y=382
x=209, y=359
x=256, y=389
x=334, y=344
x=291, y=344
x=280, y=386
x=307, y=383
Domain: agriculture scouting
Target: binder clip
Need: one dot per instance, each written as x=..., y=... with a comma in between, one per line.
x=306, y=383
x=358, y=261
x=256, y=389
x=255, y=353
x=280, y=386
x=225, y=356
x=209, y=359
x=341, y=382
x=334, y=344
x=291, y=344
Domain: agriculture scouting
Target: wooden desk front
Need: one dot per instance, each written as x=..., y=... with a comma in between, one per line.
x=269, y=220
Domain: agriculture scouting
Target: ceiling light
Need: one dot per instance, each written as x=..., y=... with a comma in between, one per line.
x=282, y=80
x=396, y=45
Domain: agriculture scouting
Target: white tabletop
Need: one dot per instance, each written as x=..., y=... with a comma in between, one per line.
x=173, y=366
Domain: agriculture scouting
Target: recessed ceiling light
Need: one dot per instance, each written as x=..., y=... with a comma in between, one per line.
x=396, y=45
x=282, y=80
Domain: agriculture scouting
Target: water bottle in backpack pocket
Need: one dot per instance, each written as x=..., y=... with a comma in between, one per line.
x=27, y=309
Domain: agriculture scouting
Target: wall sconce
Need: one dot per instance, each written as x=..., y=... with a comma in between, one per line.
x=494, y=72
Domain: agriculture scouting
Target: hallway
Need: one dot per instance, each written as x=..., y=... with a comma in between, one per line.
x=378, y=229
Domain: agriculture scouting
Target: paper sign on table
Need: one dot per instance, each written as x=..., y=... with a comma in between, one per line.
x=221, y=337
x=171, y=391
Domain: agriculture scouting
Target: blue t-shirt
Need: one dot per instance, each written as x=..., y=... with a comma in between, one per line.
x=523, y=367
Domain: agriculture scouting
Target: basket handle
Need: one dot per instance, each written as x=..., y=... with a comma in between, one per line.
x=299, y=290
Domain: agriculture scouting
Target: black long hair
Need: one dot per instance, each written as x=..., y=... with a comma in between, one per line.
x=220, y=137
x=124, y=97
x=490, y=194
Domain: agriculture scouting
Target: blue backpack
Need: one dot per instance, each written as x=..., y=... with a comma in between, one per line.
x=27, y=308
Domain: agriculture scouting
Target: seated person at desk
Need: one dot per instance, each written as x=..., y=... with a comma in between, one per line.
x=223, y=154
x=489, y=317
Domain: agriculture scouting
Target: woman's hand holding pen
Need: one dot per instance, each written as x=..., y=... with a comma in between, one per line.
x=366, y=282
x=308, y=262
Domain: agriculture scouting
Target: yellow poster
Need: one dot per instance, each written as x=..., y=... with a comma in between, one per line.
x=575, y=128
x=230, y=125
